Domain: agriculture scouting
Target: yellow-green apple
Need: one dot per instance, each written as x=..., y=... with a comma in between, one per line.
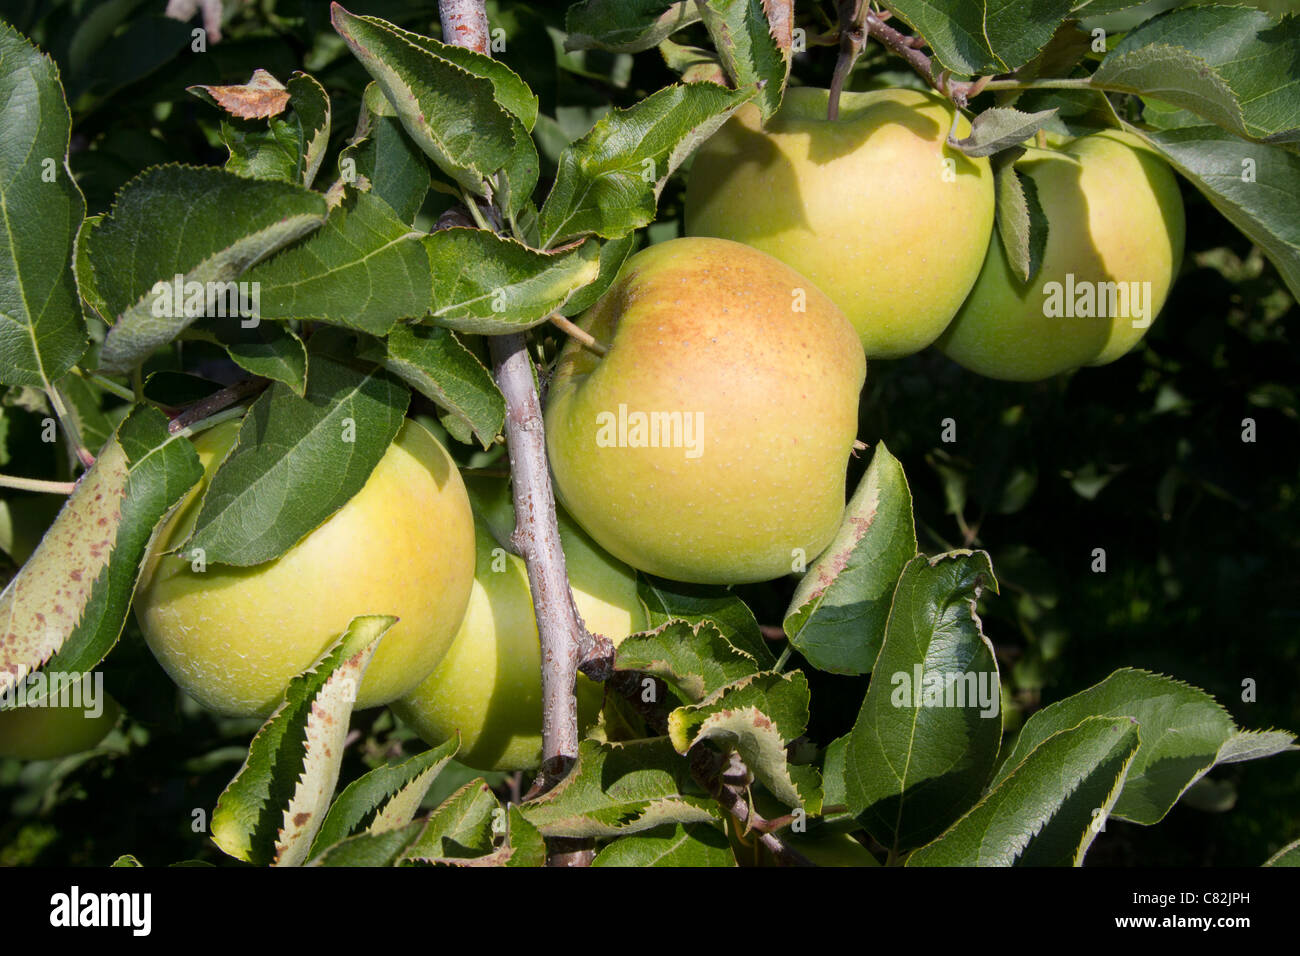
x=49, y=731
x=489, y=686
x=874, y=206
x=233, y=637
x=1114, y=243
x=710, y=443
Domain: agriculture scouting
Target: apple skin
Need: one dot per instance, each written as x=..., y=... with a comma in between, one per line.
x=232, y=638
x=1114, y=214
x=859, y=205
x=706, y=327
x=47, y=733
x=489, y=686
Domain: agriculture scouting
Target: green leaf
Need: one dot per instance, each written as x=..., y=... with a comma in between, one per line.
x=625, y=26
x=370, y=849
x=228, y=224
x=271, y=351
x=383, y=155
x=488, y=284
x=758, y=716
x=461, y=828
x=620, y=788
x=66, y=606
x=927, y=736
x=455, y=104
x=1021, y=223
x=692, y=844
x=1184, y=733
x=527, y=846
x=387, y=798
x=694, y=659
x=1235, y=66
x=999, y=128
x=297, y=461
x=1256, y=187
x=363, y=270
x=613, y=253
x=287, y=147
x=1051, y=806
x=983, y=36
x=435, y=363
x=666, y=601
x=753, y=40
x=42, y=334
x=609, y=181
x=1289, y=855
x=270, y=812
x=837, y=616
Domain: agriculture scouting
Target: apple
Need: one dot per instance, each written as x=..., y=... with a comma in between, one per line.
x=50, y=732
x=489, y=686
x=874, y=207
x=232, y=638
x=1115, y=224
x=710, y=443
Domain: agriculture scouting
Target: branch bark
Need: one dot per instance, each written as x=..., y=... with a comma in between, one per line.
x=565, y=641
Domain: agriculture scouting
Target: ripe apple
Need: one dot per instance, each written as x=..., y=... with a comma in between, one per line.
x=232, y=637
x=874, y=207
x=710, y=444
x=489, y=686
x=47, y=733
x=1115, y=227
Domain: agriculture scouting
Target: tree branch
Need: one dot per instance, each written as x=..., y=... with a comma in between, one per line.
x=565, y=641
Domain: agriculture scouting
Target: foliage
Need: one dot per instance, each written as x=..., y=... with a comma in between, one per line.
x=137, y=164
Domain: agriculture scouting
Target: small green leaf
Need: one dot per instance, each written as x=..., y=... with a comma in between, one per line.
x=42, y=334
x=271, y=351
x=297, y=461
x=1184, y=731
x=619, y=788
x=387, y=798
x=1233, y=65
x=229, y=224
x=488, y=284
x=382, y=155
x=984, y=36
x=695, y=660
x=435, y=363
x=666, y=601
x=609, y=181
x=370, y=849
x=461, y=828
x=625, y=26
x=753, y=39
x=271, y=811
x=1049, y=808
x=837, y=616
x=692, y=844
x=758, y=716
x=999, y=128
x=1021, y=223
x=927, y=736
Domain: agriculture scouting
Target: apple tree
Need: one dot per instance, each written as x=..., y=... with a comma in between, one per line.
x=330, y=224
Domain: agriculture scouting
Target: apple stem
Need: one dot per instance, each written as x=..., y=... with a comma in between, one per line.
x=586, y=338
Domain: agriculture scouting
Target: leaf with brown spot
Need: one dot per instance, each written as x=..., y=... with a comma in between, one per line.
x=66, y=607
x=262, y=96
x=270, y=812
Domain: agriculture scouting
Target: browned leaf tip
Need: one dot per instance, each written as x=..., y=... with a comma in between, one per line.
x=262, y=96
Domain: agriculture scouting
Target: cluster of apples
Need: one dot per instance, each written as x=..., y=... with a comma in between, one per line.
x=708, y=441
